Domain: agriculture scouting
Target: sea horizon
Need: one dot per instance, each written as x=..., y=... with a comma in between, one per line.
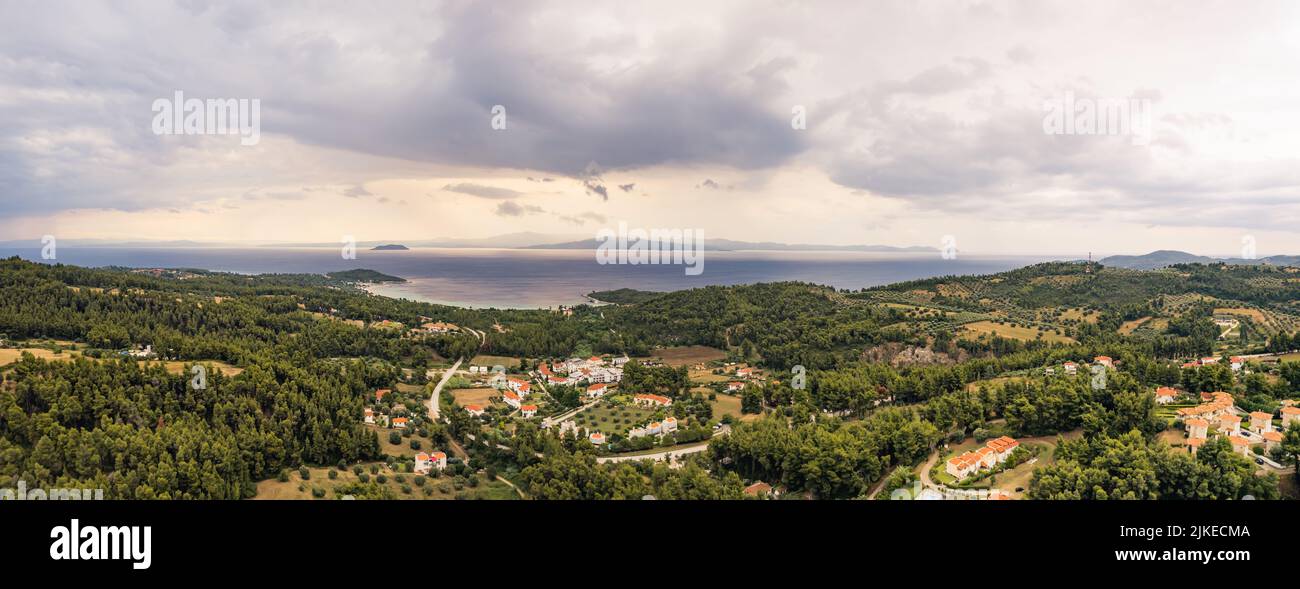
x=524, y=278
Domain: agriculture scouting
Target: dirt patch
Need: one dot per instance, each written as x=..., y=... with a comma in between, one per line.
x=474, y=396
x=688, y=355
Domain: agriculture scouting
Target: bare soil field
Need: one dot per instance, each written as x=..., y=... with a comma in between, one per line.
x=688, y=355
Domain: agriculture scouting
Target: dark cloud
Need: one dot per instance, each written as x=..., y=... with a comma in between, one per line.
x=627, y=187
x=357, y=191
x=511, y=208
x=482, y=191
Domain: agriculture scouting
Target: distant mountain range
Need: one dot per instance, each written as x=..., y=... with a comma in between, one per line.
x=1163, y=258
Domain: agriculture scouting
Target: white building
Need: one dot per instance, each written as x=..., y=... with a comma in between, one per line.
x=424, y=463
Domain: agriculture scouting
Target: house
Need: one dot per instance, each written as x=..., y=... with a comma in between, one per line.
x=652, y=400
x=734, y=386
x=1049, y=371
x=1240, y=445
x=370, y=415
x=556, y=379
x=379, y=394
x=475, y=410
x=597, y=390
x=1003, y=447
x=1192, y=364
x=1104, y=361
x=1071, y=367
x=655, y=428
x=400, y=422
x=744, y=372
x=1261, y=422
x=511, y=398
x=597, y=438
x=1214, y=404
x=620, y=361
x=424, y=463
x=1208, y=361
x=528, y=410
x=518, y=385
x=637, y=432
x=1271, y=440
x=1230, y=425
x=1237, y=363
x=994, y=452
x=437, y=327
x=141, y=352
x=1197, y=428
x=1290, y=415
x=760, y=489
x=1166, y=395
x=1195, y=443
x=670, y=424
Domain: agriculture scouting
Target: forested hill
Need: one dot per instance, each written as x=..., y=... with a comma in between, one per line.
x=313, y=348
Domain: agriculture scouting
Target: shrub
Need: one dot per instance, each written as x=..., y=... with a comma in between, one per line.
x=304, y=473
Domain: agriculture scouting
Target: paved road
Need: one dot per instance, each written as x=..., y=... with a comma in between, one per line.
x=437, y=390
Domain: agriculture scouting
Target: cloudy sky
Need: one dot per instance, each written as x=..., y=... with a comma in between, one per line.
x=923, y=119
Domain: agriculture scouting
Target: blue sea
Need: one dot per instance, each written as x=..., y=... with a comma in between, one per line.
x=526, y=278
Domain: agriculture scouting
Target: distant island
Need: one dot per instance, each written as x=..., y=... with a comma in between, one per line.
x=363, y=275
x=390, y=247
x=1164, y=258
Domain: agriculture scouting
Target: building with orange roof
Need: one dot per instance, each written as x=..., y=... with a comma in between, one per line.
x=475, y=410
x=1290, y=415
x=1229, y=424
x=511, y=398
x=1197, y=428
x=597, y=390
x=759, y=489
x=1261, y=422
x=1106, y=361
x=1166, y=395
x=379, y=394
x=1240, y=445
x=400, y=422
x=652, y=400
x=1195, y=443
x=1271, y=440
x=424, y=463
x=528, y=410
x=993, y=453
x=597, y=438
